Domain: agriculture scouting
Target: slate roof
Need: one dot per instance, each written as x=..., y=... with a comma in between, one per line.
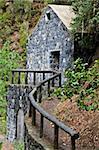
x=64, y=12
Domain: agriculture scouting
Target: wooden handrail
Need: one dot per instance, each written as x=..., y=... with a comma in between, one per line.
x=31, y=71
x=46, y=80
x=57, y=124
x=34, y=106
x=67, y=129
x=27, y=72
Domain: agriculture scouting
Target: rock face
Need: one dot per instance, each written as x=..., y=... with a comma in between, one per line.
x=50, y=46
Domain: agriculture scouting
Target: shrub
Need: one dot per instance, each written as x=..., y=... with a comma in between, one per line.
x=76, y=78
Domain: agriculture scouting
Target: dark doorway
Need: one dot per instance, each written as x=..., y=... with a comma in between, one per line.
x=54, y=61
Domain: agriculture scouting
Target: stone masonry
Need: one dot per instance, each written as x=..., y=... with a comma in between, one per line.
x=50, y=36
x=17, y=99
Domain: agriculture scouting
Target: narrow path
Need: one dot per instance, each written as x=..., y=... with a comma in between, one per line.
x=64, y=139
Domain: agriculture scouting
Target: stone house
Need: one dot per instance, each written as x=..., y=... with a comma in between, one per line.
x=51, y=46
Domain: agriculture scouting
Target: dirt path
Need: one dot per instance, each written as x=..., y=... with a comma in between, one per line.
x=64, y=142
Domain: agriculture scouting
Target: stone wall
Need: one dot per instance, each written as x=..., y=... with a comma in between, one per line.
x=50, y=35
x=17, y=106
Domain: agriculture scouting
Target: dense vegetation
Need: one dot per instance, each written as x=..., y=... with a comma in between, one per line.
x=83, y=82
x=80, y=80
x=17, y=16
x=8, y=60
x=87, y=15
x=86, y=27
x=16, y=20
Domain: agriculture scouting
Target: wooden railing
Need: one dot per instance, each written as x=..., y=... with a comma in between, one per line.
x=35, y=97
x=21, y=76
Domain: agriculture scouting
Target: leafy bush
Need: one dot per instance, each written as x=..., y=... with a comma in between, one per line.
x=87, y=15
x=80, y=80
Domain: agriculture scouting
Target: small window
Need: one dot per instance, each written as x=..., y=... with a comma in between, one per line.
x=48, y=15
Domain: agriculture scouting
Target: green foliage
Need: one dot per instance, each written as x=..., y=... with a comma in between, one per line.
x=2, y=4
x=14, y=16
x=19, y=145
x=23, y=9
x=87, y=12
x=5, y=23
x=23, y=34
x=8, y=60
x=76, y=78
x=86, y=21
x=0, y=146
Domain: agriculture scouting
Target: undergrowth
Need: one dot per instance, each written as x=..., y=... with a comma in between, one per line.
x=14, y=16
x=16, y=19
x=84, y=82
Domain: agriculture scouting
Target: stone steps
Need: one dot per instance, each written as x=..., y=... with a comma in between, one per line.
x=32, y=136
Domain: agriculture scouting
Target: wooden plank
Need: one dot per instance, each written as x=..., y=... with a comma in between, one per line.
x=73, y=143
x=60, y=80
x=43, y=75
x=56, y=131
x=35, y=96
x=26, y=78
x=30, y=109
x=19, y=76
x=40, y=94
x=12, y=77
x=33, y=116
x=41, y=126
x=31, y=71
x=48, y=88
